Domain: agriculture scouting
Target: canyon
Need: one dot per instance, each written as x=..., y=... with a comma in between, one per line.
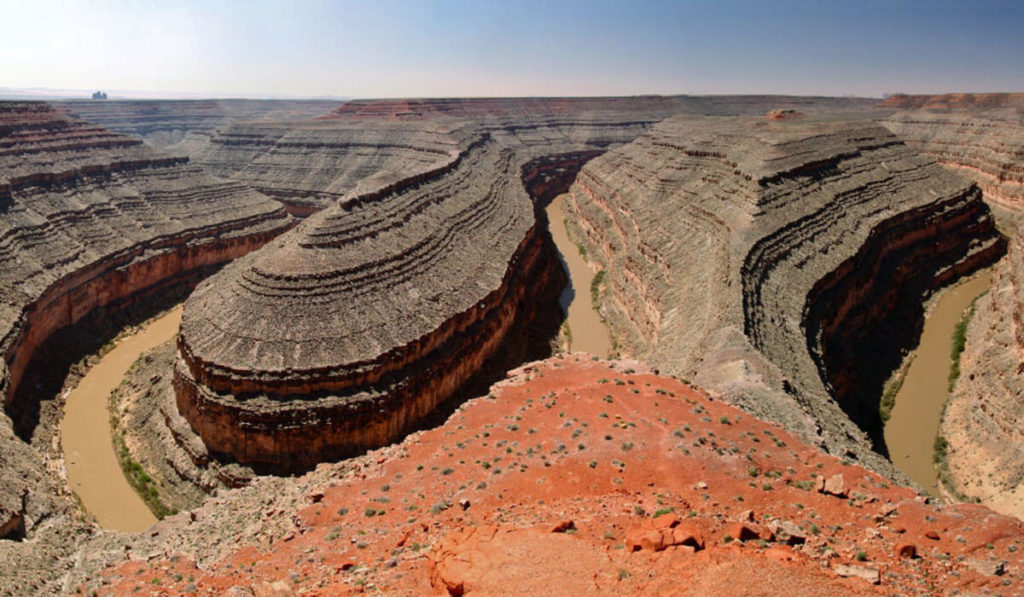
x=979, y=136
x=94, y=223
x=767, y=261
x=390, y=259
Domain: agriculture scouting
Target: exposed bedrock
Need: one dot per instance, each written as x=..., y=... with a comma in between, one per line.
x=516, y=109
x=93, y=221
x=982, y=137
x=308, y=166
x=365, y=144
x=345, y=333
x=549, y=176
x=764, y=259
x=185, y=125
x=986, y=146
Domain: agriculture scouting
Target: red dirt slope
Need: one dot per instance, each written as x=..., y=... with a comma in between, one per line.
x=579, y=476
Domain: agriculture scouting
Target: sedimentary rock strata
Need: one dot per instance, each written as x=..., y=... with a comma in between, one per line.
x=346, y=332
x=366, y=144
x=983, y=145
x=309, y=166
x=782, y=263
x=93, y=220
x=982, y=138
x=186, y=124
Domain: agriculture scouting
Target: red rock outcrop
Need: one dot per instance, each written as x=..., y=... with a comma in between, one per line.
x=574, y=477
x=782, y=263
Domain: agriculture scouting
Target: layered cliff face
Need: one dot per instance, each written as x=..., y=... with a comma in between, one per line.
x=184, y=125
x=366, y=144
x=982, y=137
x=986, y=146
x=347, y=332
x=781, y=263
x=955, y=101
x=309, y=166
x=517, y=109
x=94, y=221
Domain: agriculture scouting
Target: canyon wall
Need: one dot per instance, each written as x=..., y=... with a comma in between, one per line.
x=184, y=125
x=347, y=332
x=982, y=137
x=309, y=166
x=780, y=263
x=365, y=144
x=983, y=145
x=93, y=221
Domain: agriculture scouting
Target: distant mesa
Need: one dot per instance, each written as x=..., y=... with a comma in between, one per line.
x=99, y=95
x=783, y=114
x=955, y=101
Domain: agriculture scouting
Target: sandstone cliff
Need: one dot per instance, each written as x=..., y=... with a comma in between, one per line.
x=781, y=263
x=91, y=222
x=955, y=101
x=365, y=144
x=983, y=145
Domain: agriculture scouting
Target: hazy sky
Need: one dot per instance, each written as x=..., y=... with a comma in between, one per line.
x=389, y=48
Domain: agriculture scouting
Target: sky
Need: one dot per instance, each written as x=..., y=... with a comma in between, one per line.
x=452, y=48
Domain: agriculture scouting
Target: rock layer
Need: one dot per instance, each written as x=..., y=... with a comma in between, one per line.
x=186, y=124
x=982, y=137
x=782, y=263
x=91, y=220
x=983, y=145
x=309, y=166
x=344, y=334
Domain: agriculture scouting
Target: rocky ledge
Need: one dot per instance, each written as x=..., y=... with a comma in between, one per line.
x=780, y=263
x=573, y=477
x=345, y=333
x=94, y=222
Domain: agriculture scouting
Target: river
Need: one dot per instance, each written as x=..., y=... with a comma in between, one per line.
x=914, y=420
x=588, y=331
x=93, y=470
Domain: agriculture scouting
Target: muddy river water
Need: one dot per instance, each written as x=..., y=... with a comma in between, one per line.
x=589, y=333
x=93, y=470
x=914, y=420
